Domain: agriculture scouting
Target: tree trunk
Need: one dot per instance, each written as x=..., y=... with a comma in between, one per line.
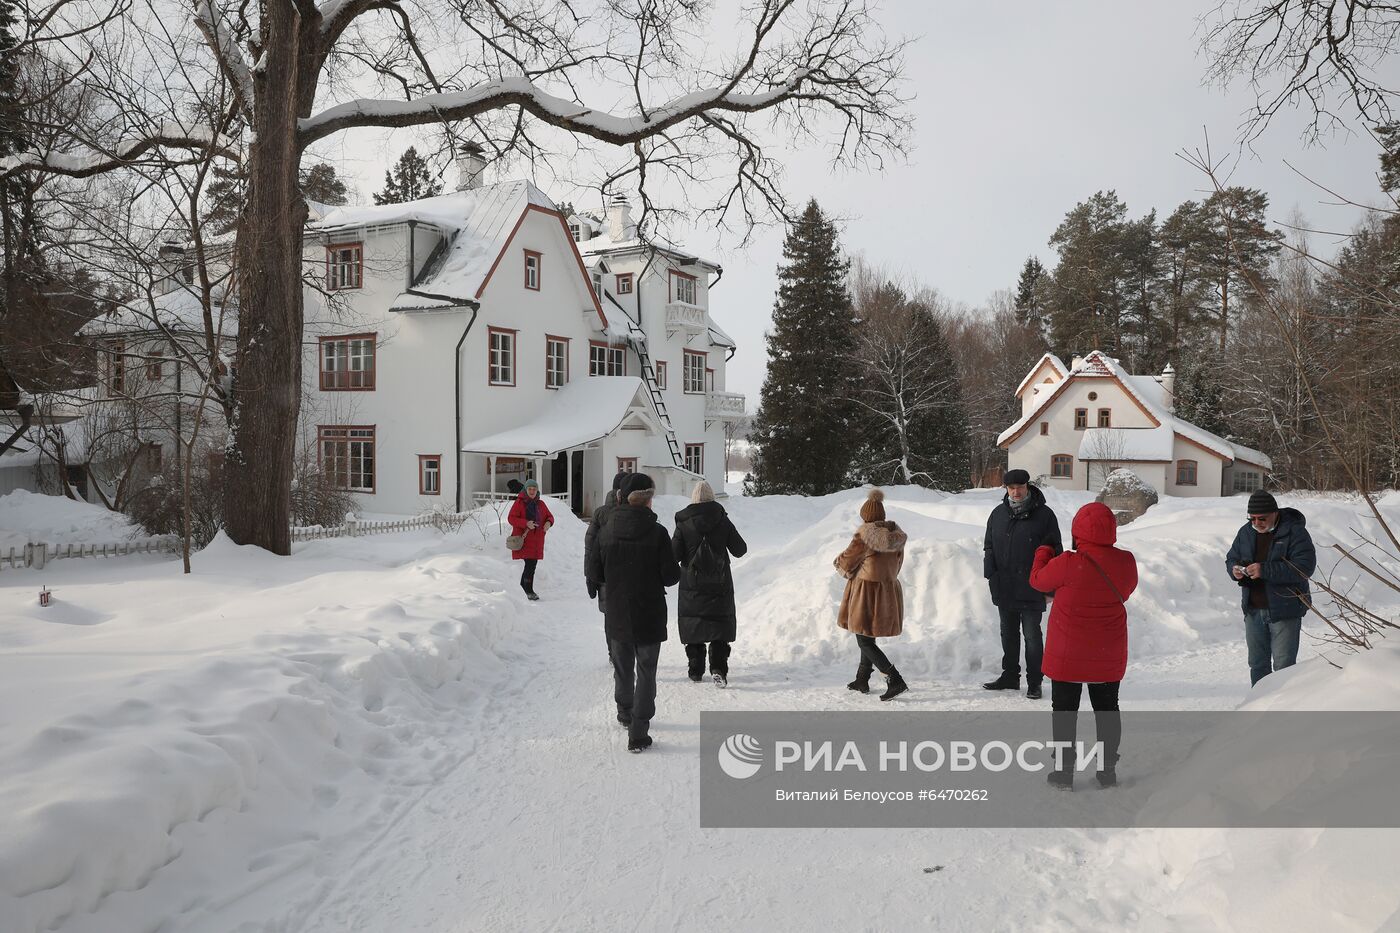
x=267, y=375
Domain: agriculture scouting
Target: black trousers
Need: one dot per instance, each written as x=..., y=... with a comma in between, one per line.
x=719, y=657
x=527, y=576
x=1108, y=724
x=871, y=656
x=1014, y=624
x=634, y=682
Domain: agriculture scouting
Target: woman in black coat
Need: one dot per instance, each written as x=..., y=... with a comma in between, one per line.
x=703, y=542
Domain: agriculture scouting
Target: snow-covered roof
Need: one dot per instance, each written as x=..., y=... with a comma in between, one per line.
x=1116, y=444
x=180, y=310
x=583, y=411
x=1055, y=363
x=717, y=335
x=601, y=245
x=1149, y=394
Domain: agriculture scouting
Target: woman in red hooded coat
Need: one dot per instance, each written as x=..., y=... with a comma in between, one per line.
x=529, y=516
x=1087, y=638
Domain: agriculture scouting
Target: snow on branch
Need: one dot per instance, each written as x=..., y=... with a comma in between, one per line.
x=557, y=111
x=97, y=161
x=226, y=51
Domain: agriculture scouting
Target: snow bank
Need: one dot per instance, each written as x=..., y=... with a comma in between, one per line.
x=789, y=592
x=27, y=516
x=202, y=737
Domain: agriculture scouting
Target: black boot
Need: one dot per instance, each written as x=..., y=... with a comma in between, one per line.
x=1108, y=777
x=862, y=682
x=896, y=685
x=1064, y=780
x=1004, y=682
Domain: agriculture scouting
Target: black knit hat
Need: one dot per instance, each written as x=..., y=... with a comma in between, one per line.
x=1015, y=478
x=635, y=482
x=1261, y=503
x=619, y=479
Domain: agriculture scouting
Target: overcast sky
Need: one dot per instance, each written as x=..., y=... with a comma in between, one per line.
x=1021, y=110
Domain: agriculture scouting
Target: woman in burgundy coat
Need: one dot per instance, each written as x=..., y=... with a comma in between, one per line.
x=1087, y=639
x=529, y=516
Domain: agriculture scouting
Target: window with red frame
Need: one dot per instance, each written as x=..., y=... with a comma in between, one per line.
x=661, y=374
x=624, y=283
x=116, y=367
x=347, y=456
x=501, y=356
x=1062, y=465
x=1186, y=472
x=605, y=360
x=682, y=287
x=693, y=373
x=532, y=270
x=1105, y=417
x=155, y=365
x=430, y=474
x=626, y=464
x=1081, y=419
x=556, y=362
x=1044, y=428
x=347, y=363
x=695, y=458
x=344, y=266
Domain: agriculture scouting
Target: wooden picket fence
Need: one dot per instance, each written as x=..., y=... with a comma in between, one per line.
x=38, y=555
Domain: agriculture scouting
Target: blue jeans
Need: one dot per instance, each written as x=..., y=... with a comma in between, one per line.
x=1270, y=641
x=1014, y=624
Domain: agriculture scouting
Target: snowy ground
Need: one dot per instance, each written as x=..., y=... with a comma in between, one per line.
x=381, y=734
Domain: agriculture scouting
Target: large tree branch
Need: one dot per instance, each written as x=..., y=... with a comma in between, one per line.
x=125, y=154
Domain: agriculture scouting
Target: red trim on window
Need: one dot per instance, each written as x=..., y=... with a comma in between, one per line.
x=671, y=284
x=685, y=384
x=421, y=490
x=155, y=366
x=622, y=282
x=1044, y=428
x=539, y=269
x=373, y=439
x=367, y=376
x=1066, y=460
x=565, y=342
x=626, y=464
x=607, y=358
x=661, y=374
x=1081, y=424
x=514, y=354
x=686, y=460
x=359, y=248
x=1195, y=472
x=1105, y=417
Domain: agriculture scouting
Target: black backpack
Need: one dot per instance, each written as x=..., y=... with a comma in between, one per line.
x=706, y=567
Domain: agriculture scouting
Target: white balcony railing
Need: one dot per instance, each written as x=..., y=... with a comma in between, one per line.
x=724, y=406
x=682, y=315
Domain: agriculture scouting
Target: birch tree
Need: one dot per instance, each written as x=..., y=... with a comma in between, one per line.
x=647, y=78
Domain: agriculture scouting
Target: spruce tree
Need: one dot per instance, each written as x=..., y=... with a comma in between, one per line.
x=806, y=430
x=321, y=183
x=1031, y=290
x=408, y=180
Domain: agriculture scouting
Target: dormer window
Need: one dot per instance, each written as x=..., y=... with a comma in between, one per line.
x=624, y=283
x=682, y=287
x=575, y=231
x=344, y=266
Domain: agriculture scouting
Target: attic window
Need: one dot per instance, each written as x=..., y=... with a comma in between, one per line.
x=1081, y=418
x=682, y=287
x=1093, y=396
x=624, y=283
x=344, y=266
x=532, y=270
x=574, y=231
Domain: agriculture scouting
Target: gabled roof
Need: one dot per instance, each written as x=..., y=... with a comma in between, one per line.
x=1052, y=360
x=600, y=245
x=178, y=311
x=478, y=225
x=582, y=412
x=1147, y=393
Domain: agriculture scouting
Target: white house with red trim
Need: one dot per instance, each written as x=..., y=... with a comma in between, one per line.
x=1080, y=422
x=463, y=340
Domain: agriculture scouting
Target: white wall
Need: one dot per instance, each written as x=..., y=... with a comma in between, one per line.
x=1032, y=451
x=1209, y=470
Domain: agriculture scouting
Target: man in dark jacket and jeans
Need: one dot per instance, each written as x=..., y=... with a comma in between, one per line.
x=1271, y=560
x=633, y=559
x=1016, y=527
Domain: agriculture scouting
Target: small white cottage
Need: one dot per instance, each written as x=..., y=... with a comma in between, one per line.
x=1080, y=422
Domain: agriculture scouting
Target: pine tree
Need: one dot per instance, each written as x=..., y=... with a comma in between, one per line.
x=1087, y=297
x=1031, y=289
x=408, y=180
x=805, y=431
x=321, y=183
x=1240, y=248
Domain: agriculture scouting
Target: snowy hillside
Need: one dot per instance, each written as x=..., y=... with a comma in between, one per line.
x=381, y=734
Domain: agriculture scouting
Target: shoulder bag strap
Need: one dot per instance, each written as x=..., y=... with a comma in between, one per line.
x=1104, y=575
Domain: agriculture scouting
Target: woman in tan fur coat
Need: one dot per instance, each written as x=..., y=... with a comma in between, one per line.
x=873, y=604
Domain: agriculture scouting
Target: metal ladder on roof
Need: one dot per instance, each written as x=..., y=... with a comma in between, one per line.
x=637, y=340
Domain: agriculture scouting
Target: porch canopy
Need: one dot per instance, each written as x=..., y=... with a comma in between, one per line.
x=583, y=412
x=577, y=416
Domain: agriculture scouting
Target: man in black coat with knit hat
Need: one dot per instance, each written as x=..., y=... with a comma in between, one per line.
x=1271, y=560
x=1016, y=527
x=633, y=560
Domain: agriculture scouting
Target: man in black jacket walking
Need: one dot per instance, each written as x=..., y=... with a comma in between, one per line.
x=1016, y=527
x=633, y=559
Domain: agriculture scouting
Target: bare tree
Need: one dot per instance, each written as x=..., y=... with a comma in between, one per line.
x=1106, y=451
x=507, y=71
